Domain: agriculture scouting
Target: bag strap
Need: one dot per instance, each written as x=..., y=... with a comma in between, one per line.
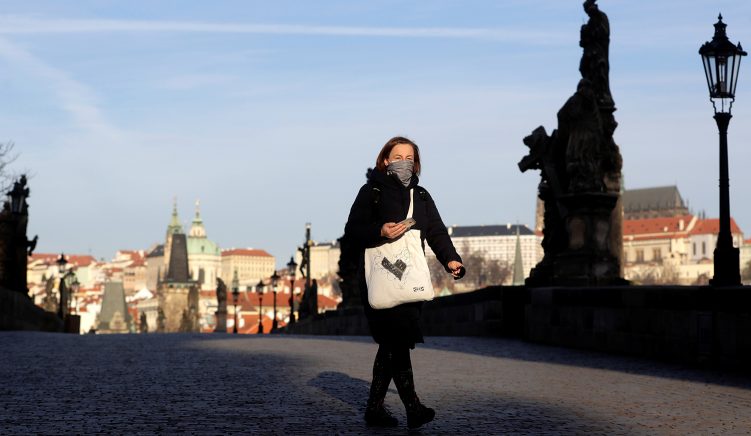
x=411, y=203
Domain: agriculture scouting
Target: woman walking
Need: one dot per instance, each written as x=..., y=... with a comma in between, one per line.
x=377, y=218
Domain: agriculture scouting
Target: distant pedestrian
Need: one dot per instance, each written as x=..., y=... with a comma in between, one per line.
x=379, y=221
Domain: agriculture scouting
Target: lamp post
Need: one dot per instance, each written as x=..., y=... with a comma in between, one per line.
x=259, y=290
x=235, y=295
x=291, y=270
x=722, y=61
x=61, y=266
x=274, y=283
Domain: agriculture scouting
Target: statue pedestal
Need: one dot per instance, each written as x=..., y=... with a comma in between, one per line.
x=588, y=259
x=72, y=324
x=221, y=321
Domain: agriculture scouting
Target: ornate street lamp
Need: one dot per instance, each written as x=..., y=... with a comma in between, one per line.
x=722, y=61
x=62, y=302
x=61, y=263
x=235, y=295
x=259, y=290
x=18, y=196
x=291, y=270
x=274, y=287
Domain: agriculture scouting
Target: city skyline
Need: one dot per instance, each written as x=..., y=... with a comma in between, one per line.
x=271, y=113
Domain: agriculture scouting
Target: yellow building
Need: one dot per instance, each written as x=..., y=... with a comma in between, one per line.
x=251, y=265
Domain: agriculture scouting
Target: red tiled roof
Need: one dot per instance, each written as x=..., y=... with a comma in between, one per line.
x=73, y=259
x=711, y=226
x=137, y=263
x=326, y=302
x=246, y=252
x=656, y=226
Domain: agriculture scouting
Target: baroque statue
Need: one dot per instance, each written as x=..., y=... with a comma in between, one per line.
x=580, y=169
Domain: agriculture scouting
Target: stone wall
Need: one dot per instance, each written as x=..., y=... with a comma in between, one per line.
x=493, y=311
x=18, y=312
x=679, y=323
x=697, y=325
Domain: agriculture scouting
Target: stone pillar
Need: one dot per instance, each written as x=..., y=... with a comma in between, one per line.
x=588, y=259
x=221, y=321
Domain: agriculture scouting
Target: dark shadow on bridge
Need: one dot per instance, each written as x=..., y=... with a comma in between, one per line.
x=471, y=413
x=503, y=348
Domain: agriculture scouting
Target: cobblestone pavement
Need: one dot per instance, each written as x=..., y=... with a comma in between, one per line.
x=215, y=384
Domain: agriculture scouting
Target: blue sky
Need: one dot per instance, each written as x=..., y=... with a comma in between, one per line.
x=270, y=112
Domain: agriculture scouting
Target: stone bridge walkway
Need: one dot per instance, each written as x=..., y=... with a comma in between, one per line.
x=216, y=384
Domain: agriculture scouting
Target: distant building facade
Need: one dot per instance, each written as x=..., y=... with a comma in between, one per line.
x=498, y=243
x=251, y=265
x=674, y=250
x=154, y=266
x=658, y=202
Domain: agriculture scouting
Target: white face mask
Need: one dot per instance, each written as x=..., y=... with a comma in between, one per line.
x=403, y=169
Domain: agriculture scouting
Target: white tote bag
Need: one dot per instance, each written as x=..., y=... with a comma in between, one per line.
x=396, y=271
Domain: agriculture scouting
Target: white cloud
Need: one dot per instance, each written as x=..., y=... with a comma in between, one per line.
x=11, y=24
x=75, y=98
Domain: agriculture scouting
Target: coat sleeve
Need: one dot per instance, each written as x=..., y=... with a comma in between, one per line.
x=438, y=236
x=361, y=227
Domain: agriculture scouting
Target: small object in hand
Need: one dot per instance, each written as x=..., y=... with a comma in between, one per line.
x=409, y=222
x=461, y=273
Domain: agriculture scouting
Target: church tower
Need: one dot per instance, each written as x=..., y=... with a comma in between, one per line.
x=204, y=256
x=173, y=228
x=178, y=293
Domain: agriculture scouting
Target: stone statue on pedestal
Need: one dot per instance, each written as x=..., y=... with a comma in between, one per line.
x=143, y=325
x=221, y=312
x=160, y=321
x=580, y=167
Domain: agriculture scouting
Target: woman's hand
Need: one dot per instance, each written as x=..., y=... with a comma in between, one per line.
x=455, y=268
x=393, y=230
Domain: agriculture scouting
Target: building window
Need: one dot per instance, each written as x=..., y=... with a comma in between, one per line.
x=640, y=255
x=694, y=248
x=657, y=254
x=704, y=248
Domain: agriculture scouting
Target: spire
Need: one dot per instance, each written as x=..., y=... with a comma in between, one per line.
x=518, y=278
x=196, y=229
x=198, y=211
x=174, y=225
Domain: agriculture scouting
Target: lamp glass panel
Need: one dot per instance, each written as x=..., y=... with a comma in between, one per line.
x=721, y=64
x=708, y=72
x=735, y=71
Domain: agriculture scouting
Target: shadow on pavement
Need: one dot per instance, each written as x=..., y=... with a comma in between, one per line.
x=472, y=413
x=503, y=348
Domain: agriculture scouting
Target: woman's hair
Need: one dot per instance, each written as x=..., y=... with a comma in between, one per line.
x=386, y=151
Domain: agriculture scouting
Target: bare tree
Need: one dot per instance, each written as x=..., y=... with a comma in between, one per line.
x=439, y=276
x=496, y=271
x=7, y=157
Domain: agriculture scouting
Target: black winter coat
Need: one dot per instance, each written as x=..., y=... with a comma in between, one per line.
x=401, y=324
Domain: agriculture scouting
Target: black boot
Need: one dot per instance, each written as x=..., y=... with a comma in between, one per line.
x=376, y=415
x=417, y=414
